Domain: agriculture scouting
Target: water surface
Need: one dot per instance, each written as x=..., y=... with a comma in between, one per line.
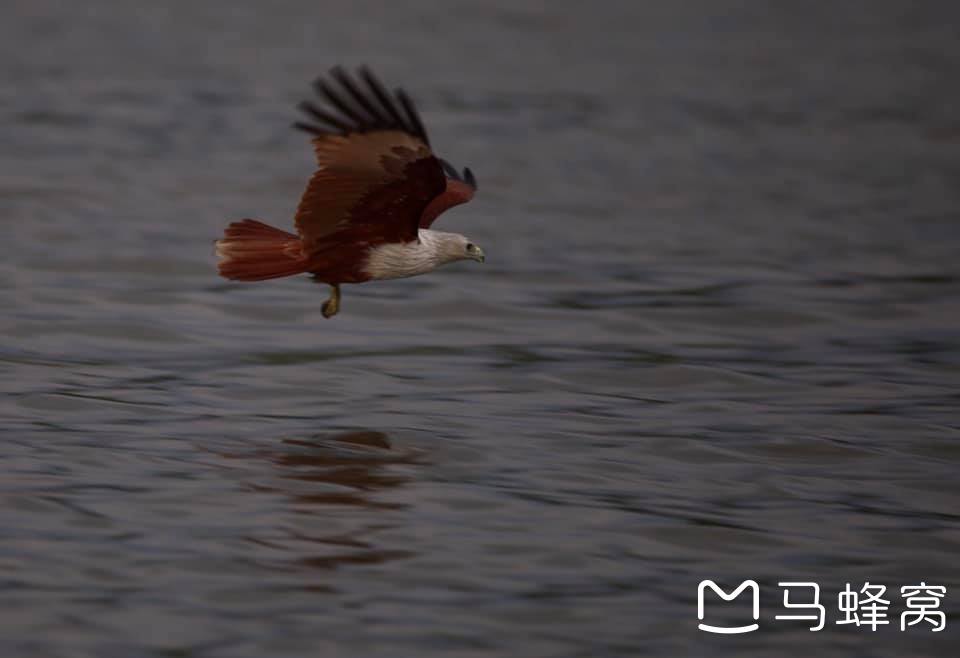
x=716, y=335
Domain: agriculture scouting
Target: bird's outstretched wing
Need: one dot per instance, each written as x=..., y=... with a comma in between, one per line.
x=376, y=172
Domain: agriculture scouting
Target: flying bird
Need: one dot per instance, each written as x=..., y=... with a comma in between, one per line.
x=367, y=211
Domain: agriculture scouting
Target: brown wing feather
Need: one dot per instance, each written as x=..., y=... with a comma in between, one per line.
x=381, y=180
x=456, y=192
x=377, y=174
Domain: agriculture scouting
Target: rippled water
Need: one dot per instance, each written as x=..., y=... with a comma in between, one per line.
x=716, y=335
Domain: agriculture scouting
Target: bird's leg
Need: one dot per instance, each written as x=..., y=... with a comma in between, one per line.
x=332, y=306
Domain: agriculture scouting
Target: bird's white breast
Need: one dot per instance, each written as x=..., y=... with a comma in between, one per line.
x=396, y=260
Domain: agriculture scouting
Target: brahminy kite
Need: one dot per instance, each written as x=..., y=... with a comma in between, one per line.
x=367, y=211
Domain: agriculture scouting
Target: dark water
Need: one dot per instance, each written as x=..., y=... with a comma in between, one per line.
x=716, y=335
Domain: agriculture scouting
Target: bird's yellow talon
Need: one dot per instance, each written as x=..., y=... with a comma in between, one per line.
x=332, y=306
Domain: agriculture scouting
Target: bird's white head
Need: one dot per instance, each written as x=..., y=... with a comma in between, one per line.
x=450, y=247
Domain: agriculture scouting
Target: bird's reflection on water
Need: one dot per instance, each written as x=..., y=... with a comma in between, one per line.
x=355, y=464
x=320, y=475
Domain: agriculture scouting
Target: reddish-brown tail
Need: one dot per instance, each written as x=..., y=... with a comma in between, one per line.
x=254, y=251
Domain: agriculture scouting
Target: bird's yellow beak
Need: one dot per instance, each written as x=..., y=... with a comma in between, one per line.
x=476, y=253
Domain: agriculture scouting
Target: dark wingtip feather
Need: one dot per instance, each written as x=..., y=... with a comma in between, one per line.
x=469, y=178
x=412, y=116
x=337, y=101
x=362, y=100
x=465, y=177
x=307, y=128
x=360, y=103
x=323, y=117
x=449, y=169
x=381, y=94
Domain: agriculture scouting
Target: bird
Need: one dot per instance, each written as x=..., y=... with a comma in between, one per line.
x=366, y=212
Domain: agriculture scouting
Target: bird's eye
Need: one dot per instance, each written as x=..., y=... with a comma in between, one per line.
x=470, y=246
